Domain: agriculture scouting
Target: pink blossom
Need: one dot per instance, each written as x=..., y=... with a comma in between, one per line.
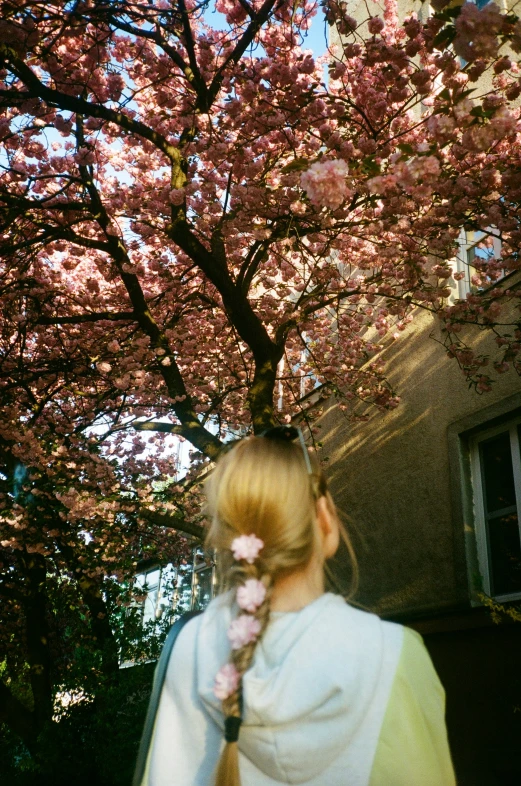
x=483, y=385
x=391, y=13
x=504, y=121
x=503, y=64
x=84, y=156
x=375, y=25
x=247, y=547
x=226, y=681
x=243, y=630
x=477, y=31
x=233, y=11
x=425, y=167
x=478, y=137
x=251, y=595
x=62, y=125
x=298, y=207
x=177, y=196
x=440, y=125
x=325, y=183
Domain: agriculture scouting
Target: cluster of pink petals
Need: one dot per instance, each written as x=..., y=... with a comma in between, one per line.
x=177, y=196
x=226, y=681
x=477, y=31
x=424, y=167
x=251, y=595
x=247, y=547
x=243, y=631
x=232, y=9
x=325, y=183
x=375, y=25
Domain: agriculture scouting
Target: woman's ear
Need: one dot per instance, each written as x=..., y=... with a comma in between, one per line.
x=328, y=526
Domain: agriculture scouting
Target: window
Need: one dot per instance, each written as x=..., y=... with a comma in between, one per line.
x=204, y=580
x=182, y=596
x=496, y=481
x=475, y=246
x=172, y=591
x=154, y=588
x=308, y=381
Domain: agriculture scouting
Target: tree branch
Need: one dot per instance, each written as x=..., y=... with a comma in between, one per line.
x=17, y=716
x=35, y=608
x=242, y=45
x=193, y=74
x=247, y=7
x=79, y=105
x=176, y=522
x=153, y=425
x=193, y=430
x=248, y=325
x=95, y=316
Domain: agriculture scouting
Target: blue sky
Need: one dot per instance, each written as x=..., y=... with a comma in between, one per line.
x=315, y=39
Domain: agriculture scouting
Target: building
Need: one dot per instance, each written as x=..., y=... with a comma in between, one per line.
x=432, y=491
x=432, y=495
x=169, y=590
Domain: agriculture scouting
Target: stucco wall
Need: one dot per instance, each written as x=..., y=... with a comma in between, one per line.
x=401, y=475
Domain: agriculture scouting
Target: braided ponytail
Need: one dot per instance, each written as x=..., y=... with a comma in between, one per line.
x=263, y=496
x=227, y=773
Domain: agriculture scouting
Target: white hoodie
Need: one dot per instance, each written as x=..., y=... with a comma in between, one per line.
x=328, y=701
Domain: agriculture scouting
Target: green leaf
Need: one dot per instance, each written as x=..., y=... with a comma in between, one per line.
x=478, y=111
x=406, y=148
x=465, y=93
x=448, y=13
x=445, y=37
x=370, y=166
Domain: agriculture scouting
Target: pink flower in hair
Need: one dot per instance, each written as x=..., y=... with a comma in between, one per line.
x=226, y=681
x=243, y=630
x=251, y=595
x=247, y=547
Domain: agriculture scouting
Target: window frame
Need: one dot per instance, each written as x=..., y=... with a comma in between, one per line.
x=463, y=265
x=480, y=525
x=164, y=571
x=198, y=570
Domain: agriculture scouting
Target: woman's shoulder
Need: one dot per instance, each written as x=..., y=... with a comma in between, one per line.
x=350, y=618
x=330, y=619
x=330, y=611
x=416, y=667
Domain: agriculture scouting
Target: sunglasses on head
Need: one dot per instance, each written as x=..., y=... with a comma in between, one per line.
x=289, y=434
x=282, y=434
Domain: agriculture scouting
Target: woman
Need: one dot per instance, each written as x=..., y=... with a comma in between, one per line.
x=304, y=688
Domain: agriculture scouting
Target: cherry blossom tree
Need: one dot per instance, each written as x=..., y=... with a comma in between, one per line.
x=200, y=223
x=73, y=528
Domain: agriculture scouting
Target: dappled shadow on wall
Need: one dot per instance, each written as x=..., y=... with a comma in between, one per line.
x=391, y=474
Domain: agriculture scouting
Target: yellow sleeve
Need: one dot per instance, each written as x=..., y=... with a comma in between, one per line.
x=413, y=749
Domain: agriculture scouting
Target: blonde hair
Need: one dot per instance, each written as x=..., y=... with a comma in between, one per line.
x=262, y=486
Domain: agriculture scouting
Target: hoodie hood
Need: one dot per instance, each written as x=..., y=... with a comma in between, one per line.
x=312, y=686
